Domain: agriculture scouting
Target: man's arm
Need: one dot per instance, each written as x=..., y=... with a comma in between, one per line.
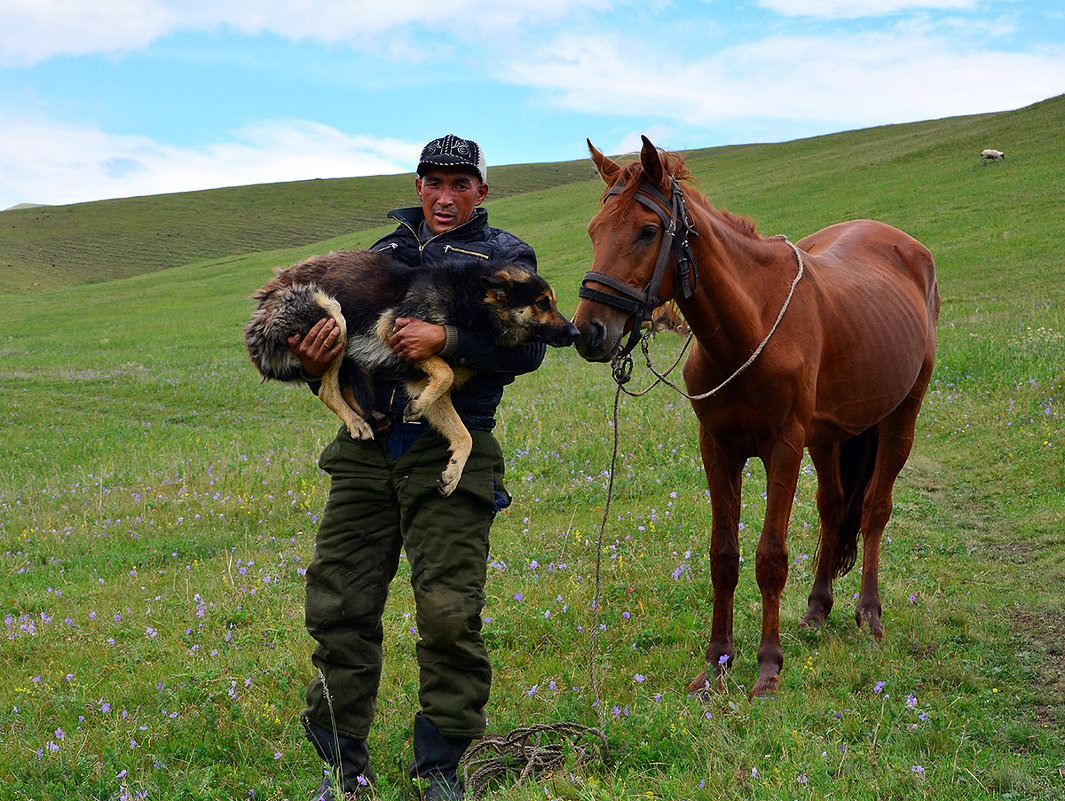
x=414, y=340
x=480, y=353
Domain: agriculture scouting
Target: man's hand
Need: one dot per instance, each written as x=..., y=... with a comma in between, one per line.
x=415, y=340
x=317, y=350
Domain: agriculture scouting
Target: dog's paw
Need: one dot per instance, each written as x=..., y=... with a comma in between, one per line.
x=449, y=479
x=360, y=429
x=413, y=409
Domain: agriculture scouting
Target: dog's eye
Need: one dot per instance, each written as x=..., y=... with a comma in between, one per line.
x=648, y=232
x=543, y=304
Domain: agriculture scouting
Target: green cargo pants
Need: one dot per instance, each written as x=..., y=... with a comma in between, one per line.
x=376, y=507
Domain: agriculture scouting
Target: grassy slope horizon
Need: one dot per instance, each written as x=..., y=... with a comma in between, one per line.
x=157, y=505
x=48, y=247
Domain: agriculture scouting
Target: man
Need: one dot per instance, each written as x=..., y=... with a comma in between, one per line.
x=383, y=497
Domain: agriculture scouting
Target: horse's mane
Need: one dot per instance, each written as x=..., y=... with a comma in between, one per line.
x=632, y=175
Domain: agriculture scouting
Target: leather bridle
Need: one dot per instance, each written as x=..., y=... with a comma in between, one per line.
x=676, y=230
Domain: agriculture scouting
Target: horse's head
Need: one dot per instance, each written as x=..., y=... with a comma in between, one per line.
x=633, y=237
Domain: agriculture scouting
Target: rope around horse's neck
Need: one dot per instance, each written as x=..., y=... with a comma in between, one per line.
x=662, y=377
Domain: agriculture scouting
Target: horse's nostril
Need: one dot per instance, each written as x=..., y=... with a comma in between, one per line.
x=596, y=333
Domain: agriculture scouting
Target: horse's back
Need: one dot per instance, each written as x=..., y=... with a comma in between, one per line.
x=860, y=246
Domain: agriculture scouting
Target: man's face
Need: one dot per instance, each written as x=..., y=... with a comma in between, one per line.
x=449, y=197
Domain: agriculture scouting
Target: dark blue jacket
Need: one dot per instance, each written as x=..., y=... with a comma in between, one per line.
x=413, y=243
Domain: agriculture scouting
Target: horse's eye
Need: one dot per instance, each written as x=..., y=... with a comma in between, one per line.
x=648, y=232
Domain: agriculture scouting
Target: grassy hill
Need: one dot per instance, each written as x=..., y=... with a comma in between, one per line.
x=46, y=247
x=158, y=505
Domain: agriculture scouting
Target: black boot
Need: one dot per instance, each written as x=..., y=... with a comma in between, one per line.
x=436, y=760
x=348, y=760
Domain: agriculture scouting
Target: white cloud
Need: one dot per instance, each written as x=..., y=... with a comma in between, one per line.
x=42, y=161
x=855, y=79
x=31, y=30
x=35, y=30
x=855, y=9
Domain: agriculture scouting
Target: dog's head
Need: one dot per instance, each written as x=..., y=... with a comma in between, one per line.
x=526, y=307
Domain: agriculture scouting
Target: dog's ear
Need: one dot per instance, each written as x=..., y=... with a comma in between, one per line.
x=497, y=284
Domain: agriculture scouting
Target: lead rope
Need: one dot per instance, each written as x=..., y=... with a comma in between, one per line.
x=599, y=557
x=496, y=755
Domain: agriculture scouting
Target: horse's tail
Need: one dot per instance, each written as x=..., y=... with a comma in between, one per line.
x=857, y=459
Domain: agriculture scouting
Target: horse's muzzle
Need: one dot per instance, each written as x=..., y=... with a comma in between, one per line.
x=595, y=343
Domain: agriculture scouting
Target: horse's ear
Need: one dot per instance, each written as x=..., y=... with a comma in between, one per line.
x=608, y=168
x=652, y=162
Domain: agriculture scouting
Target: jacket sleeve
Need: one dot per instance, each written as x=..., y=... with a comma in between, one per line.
x=520, y=252
x=480, y=353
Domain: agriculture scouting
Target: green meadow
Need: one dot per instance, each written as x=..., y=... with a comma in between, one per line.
x=158, y=505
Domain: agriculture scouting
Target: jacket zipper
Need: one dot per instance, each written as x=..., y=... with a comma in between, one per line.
x=465, y=252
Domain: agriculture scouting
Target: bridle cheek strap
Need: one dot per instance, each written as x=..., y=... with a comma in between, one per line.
x=676, y=231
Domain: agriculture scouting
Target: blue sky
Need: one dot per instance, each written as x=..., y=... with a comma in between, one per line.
x=115, y=98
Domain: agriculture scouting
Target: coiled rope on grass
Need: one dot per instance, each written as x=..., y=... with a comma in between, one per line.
x=528, y=750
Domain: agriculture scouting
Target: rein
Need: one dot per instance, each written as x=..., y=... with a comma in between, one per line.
x=622, y=362
x=676, y=231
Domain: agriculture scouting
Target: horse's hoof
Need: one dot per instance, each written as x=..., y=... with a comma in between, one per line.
x=871, y=619
x=700, y=685
x=765, y=686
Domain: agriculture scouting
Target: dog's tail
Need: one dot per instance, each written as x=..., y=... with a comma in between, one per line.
x=282, y=312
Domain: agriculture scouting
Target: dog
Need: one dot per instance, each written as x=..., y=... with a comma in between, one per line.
x=365, y=292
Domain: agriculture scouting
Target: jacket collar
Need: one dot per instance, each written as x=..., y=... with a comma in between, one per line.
x=414, y=219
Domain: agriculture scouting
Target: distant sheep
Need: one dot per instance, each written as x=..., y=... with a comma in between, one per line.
x=992, y=155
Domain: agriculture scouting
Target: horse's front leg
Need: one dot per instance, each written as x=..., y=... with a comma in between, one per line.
x=771, y=558
x=724, y=473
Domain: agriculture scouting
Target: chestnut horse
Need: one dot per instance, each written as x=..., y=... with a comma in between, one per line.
x=827, y=345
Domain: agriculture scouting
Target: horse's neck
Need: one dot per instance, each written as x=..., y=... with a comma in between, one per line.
x=727, y=312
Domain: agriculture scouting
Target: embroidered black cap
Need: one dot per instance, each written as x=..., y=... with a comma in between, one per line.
x=453, y=151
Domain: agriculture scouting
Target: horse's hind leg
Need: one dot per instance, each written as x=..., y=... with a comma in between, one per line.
x=896, y=441
x=830, y=512
x=771, y=559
